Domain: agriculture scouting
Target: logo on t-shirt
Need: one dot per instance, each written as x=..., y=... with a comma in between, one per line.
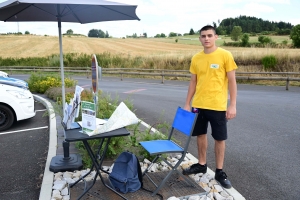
x=214, y=66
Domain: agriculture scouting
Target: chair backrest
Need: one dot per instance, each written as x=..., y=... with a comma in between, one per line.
x=184, y=121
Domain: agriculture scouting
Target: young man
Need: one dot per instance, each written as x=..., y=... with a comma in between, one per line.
x=212, y=74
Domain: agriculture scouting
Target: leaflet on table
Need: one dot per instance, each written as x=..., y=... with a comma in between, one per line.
x=88, y=117
x=67, y=113
x=98, y=122
x=72, y=110
x=121, y=117
x=77, y=100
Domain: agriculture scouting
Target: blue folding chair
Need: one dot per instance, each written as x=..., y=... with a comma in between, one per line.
x=184, y=122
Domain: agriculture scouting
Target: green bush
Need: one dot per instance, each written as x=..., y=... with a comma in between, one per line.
x=269, y=62
x=40, y=83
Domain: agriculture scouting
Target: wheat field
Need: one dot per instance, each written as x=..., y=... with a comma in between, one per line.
x=40, y=46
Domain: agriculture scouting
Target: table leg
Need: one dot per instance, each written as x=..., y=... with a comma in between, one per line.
x=98, y=167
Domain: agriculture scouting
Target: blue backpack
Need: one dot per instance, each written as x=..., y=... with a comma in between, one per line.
x=126, y=174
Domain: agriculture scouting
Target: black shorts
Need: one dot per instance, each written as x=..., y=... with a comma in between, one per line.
x=217, y=120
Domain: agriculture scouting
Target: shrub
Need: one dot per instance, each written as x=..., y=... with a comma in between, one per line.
x=245, y=40
x=295, y=36
x=269, y=62
x=41, y=83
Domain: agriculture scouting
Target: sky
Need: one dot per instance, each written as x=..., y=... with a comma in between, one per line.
x=165, y=16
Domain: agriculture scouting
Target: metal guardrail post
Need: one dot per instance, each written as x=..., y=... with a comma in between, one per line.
x=162, y=77
x=287, y=83
x=87, y=73
x=121, y=76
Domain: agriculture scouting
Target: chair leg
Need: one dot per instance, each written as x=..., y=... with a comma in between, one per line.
x=147, y=169
x=162, y=182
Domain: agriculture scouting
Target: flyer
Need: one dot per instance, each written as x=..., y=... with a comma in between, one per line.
x=88, y=117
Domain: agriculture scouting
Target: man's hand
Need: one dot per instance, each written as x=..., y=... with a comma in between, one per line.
x=231, y=112
x=187, y=108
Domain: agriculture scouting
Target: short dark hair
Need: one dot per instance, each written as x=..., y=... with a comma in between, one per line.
x=206, y=28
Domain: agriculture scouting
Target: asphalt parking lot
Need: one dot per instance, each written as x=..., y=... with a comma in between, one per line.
x=24, y=149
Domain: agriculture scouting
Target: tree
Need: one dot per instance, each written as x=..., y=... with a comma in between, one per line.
x=236, y=33
x=93, y=33
x=69, y=32
x=295, y=36
x=162, y=35
x=27, y=33
x=245, y=40
x=96, y=33
x=264, y=39
x=192, y=32
x=157, y=35
x=215, y=25
x=172, y=34
x=106, y=35
x=145, y=35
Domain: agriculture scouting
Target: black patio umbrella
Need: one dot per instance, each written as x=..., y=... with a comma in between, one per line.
x=78, y=11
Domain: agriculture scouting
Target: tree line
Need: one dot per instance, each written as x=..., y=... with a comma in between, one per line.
x=253, y=25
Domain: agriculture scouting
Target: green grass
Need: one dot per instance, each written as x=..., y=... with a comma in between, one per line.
x=194, y=39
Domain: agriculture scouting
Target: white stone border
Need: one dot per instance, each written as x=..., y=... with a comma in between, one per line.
x=46, y=187
x=233, y=192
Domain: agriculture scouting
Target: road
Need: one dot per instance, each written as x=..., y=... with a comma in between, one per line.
x=262, y=152
x=24, y=150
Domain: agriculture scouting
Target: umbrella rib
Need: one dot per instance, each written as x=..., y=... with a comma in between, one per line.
x=73, y=13
x=118, y=12
x=43, y=10
x=17, y=12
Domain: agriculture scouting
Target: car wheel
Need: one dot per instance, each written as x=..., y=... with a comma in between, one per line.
x=6, y=117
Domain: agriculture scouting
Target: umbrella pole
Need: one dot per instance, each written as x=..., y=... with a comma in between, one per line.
x=61, y=64
x=66, y=162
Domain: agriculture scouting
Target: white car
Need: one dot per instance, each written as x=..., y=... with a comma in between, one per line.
x=13, y=82
x=16, y=103
x=4, y=74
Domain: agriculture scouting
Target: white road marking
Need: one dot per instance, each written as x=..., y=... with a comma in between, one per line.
x=43, y=127
x=40, y=110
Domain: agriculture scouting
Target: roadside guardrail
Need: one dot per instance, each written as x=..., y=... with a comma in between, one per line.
x=273, y=76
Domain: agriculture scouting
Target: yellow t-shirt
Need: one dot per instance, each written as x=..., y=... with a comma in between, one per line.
x=212, y=82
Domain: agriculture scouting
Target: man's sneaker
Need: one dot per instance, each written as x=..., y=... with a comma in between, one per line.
x=195, y=169
x=221, y=177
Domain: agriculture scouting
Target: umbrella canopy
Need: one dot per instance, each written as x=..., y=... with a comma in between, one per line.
x=78, y=11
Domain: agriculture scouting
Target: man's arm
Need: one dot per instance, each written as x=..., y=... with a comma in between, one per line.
x=191, y=92
x=231, y=110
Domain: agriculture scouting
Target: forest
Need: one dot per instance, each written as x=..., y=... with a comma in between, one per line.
x=253, y=25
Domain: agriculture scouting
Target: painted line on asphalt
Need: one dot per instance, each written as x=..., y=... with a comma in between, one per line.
x=85, y=86
x=134, y=91
x=40, y=110
x=30, y=129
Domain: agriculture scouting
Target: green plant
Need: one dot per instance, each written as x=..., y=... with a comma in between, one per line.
x=245, y=40
x=295, y=36
x=269, y=62
x=40, y=83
